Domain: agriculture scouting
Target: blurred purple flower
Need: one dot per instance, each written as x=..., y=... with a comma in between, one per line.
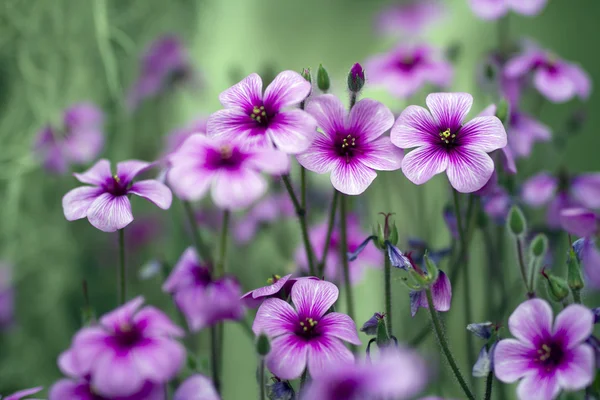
x=204, y=301
x=78, y=141
x=451, y=222
x=497, y=204
x=196, y=387
x=82, y=389
x=369, y=257
x=106, y=204
x=494, y=9
x=585, y=224
x=409, y=18
x=127, y=349
x=178, y=136
x=548, y=358
x=165, y=63
x=21, y=394
x=305, y=337
x=561, y=192
x=523, y=132
x=7, y=296
x=407, y=68
x=377, y=379
x=441, y=291
x=265, y=120
x=370, y=326
x=351, y=147
x=270, y=209
x=444, y=143
x=232, y=170
x=143, y=231
x=555, y=79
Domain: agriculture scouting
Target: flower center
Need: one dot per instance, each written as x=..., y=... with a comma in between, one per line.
x=259, y=114
x=409, y=62
x=550, y=355
x=307, y=327
x=201, y=275
x=347, y=147
x=127, y=335
x=116, y=186
x=273, y=279
x=447, y=137
x=226, y=152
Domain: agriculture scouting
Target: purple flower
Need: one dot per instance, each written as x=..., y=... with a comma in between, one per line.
x=409, y=18
x=441, y=291
x=7, y=296
x=351, y=146
x=494, y=9
x=407, y=68
x=497, y=204
x=445, y=144
x=397, y=373
x=277, y=284
x=561, y=192
x=106, y=204
x=127, y=349
x=164, y=63
x=196, y=387
x=266, y=120
x=370, y=327
x=585, y=224
x=305, y=337
x=23, y=393
x=523, y=132
x=82, y=389
x=369, y=257
x=178, y=136
x=204, y=301
x=548, y=358
x=78, y=141
x=556, y=79
x=270, y=209
x=230, y=171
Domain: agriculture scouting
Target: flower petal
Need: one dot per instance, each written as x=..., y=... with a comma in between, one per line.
x=97, y=174
x=326, y=352
x=512, y=360
x=329, y=112
x=128, y=170
x=351, y=178
x=531, y=321
x=442, y=293
x=158, y=359
x=555, y=86
x=340, y=326
x=586, y=189
x=235, y=190
x=271, y=161
x=590, y=257
x=469, y=169
x=319, y=157
x=189, y=181
x=521, y=64
x=421, y=164
x=155, y=191
x=539, y=189
x=110, y=213
x=287, y=89
x=275, y=317
x=313, y=298
x=527, y=7
x=292, y=131
x=84, y=145
x=369, y=119
x=115, y=375
x=288, y=355
x=153, y=322
x=196, y=387
x=538, y=386
x=122, y=315
x=233, y=123
x=22, y=393
x=579, y=221
x=415, y=127
x=77, y=201
x=577, y=371
x=489, y=9
x=245, y=94
x=574, y=325
x=382, y=155
x=483, y=133
x=449, y=109
x=581, y=80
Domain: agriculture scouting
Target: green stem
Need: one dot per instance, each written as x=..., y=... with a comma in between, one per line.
x=301, y=213
x=220, y=267
x=344, y=255
x=437, y=327
x=303, y=187
x=303, y=380
x=533, y=267
x=122, y=268
x=201, y=248
x=522, y=268
x=576, y=296
x=261, y=378
x=388, y=293
x=503, y=36
x=330, y=225
x=489, y=384
x=352, y=99
x=107, y=54
x=214, y=357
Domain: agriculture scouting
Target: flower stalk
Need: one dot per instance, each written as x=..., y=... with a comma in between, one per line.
x=388, y=292
x=344, y=255
x=330, y=225
x=122, y=279
x=200, y=246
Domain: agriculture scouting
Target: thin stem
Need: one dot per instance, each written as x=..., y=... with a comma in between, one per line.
x=388, y=293
x=261, y=378
x=489, y=385
x=214, y=357
x=503, y=36
x=301, y=213
x=220, y=267
x=533, y=267
x=521, y=260
x=303, y=187
x=344, y=255
x=122, y=268
x=201, y=248
x=437, y=327
x=352, y=99
x=576, y=296
x=330, y=225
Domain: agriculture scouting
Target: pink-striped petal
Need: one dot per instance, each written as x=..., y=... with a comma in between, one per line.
x=421, y=164
x=382, y=155
x=287, y=89
x=415, y=127
x=275, y=317
x=483, y=133
x=581, y=80
x=288, y=356
x=326, y=352
x=313, y=298
x=586, y=189
x=469, y=169
x=292, y=131
x=512, y=360
x=340, y=326
x=449, y=109
x=234, y=123
x=235, y=190
x=271, y=161
x=539, y=189
x=574, y=325
x=351, y=178
x=579, y=221
x=521, y=64
x=370, y=119
x=110, y=213
x=122, y=315
x=97, y=174
x=245, y=94
x=531, y=321
x=154, y=191
x=77, y=201
x=320, y=156
x=578, y=369
x=538, y=386
x=329, y=112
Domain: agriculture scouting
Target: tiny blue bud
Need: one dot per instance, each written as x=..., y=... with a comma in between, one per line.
x=397, y=258
x=482, y=330
x=483, y=365
x=354, y=255
x=280, y=390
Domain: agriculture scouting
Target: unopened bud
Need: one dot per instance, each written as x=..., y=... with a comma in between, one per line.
x=517, y=224
x=306, y=74
x=538, y=245
x=574, y=279
x=382, y=339
x=557, y=287
x=323, y=79
x=356, y=78
x=502, y=110
x=432, y=269
x=263, y=345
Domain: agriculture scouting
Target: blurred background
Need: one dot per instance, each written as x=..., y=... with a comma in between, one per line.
x=57, y=53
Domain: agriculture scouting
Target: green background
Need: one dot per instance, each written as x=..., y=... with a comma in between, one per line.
x=55, y=53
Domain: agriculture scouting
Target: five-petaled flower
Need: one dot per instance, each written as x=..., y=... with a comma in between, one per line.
x=351, y=146
x=106, y=204
x=444, y=143
x=306, y=336
x=548, y=358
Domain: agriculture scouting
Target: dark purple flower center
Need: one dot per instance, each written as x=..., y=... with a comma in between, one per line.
x=226, y=157
x=127, y=335
x=260, y=115
x=448, y=138
x=307, y=328
x=201, y=275
x=550, y=355
x=345, y=389
x=346, y=146
x=409, y=62
x=116, y=186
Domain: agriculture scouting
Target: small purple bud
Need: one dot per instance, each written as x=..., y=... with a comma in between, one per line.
x=596, y=312
x=482, y=330
x=356, y=78
x=578, y=247
x=370, y=327
x=280, y=390
x=397, y=258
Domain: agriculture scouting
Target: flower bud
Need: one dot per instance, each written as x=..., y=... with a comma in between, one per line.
x=483, y=365
x=306, y=74
x=432, y=270
x=502, y=110
x=517, y=224
x=482, y=330
x=557, y=287
x=356, y=78
x=323, y=79
x=380, y=236
x=370, y=327
x=280, y=390
x=538, y=245
x=263, y=345
x=574, y=279
x=393, y=239
x=382, y=339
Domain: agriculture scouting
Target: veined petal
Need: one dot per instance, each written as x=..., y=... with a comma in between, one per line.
x=245, y=94
x=539, y=189
x=531, y=321
x=581, y=80
x=110, y=213
x=329, y=112
x=421, y=164
x=441, y=291
x=483, y=133
x=234, y=123
x=313, y=298
x=351, y=178
x=555, y=86
x=122, y=315
x=590, y=257
x=340, y=326
x=271, y=161
x=154, y=191
x=292, y=131
x=449, y=109
x=382, y=155
x=275, y=317
x=97, y=174
x=196, y=387
x=469, y=169
x=586, y=189
x=235, y=190
x=77, y=201
x=512, y=360
x=320, y=156
x=287, y=89
x=415, y=127
x=326, y=352
x=538, y=386
x=370, y=119
x=579, y=221
x=128, y=170
x=577, y=371
x=190, y=182
x=288, y=355
x=574, y=325
x=521, y=64
x=22, y=393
